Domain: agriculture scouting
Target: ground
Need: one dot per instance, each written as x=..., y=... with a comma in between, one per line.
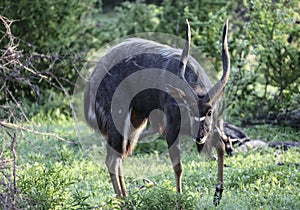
x=54, y=174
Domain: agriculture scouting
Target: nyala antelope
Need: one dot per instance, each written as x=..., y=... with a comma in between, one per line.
x=191, y=111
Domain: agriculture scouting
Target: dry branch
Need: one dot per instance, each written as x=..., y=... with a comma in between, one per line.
x=21, y=72
x=19, y=127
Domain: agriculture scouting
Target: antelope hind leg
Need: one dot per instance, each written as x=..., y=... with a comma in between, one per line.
x=121, y=179
x=113, y=161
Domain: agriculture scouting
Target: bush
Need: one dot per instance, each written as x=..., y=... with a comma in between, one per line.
x=265, y=59
x=274, y=34
x=263, y=43
x=53, y=26
x=49, y=187
x=43, y=45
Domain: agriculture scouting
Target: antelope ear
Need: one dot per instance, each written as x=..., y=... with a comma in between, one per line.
x=176, y=92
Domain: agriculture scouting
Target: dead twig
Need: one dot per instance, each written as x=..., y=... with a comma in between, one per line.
x=15, y=126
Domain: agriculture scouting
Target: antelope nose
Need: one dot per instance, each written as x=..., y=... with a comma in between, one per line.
x=199, y=138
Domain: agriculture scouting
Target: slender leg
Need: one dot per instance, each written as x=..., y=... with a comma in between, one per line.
x=174, y=152
x=113, y=165
x=178, y=173
x=219, y=188
x=113, y=172
x=121, y=179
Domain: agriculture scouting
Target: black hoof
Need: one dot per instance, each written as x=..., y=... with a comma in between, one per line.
x=218, y=195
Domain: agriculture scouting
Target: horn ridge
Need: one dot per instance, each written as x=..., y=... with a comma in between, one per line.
x=225, y=55
x=185, y=51
x=214, y=93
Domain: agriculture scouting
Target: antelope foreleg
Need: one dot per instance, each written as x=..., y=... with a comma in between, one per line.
x=174, y=152
x=178, y=172
x=219, y=188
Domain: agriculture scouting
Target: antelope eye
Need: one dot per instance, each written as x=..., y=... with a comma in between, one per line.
x=209, y=113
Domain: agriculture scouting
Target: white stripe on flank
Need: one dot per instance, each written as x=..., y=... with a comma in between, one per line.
x=130, y=133
x=126, y=130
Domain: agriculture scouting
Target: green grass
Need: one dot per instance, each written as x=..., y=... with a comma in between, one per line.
x=53, y=174
x=273, y=133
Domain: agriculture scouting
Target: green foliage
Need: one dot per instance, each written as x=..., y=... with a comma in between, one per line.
x=275, y=36
x=206, y=19
x=175, y=12
x=137, y=17
x=263, y=43
x=263, y=181
x=46, y=187
x=279, y=133
x=265, y=55
x=163, y=196
x=52, y=26
x=153, y=144
x=54, y=107
x=132, y=18
x=50, y=39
